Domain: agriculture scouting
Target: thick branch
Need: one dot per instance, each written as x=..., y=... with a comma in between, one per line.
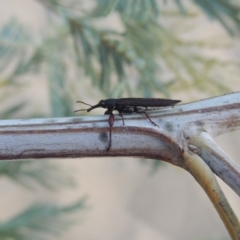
x=82, y=137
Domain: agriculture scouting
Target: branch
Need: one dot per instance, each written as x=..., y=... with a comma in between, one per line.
x=89, y=136
x=204, y=176
x=220, y=163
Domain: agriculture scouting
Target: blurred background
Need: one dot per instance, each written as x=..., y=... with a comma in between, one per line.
x=55, y=52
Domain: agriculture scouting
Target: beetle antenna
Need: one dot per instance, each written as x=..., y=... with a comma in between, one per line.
x=84, y=103
x=82, y=109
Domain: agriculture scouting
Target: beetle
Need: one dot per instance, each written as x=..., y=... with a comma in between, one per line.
x=128, y=106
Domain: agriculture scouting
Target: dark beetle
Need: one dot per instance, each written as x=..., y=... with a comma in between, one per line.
x=128, y=106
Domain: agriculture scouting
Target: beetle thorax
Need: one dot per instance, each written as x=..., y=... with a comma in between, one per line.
x=108, y=103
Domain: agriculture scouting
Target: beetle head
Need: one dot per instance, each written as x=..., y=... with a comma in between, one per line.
x=102, y=103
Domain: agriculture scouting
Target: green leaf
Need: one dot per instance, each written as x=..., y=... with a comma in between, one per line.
x=226, y=12
x=40, y=221
x=110, y=7
x=29, y=174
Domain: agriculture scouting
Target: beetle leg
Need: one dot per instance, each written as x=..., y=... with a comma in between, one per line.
x=150, y=119
x=121, y=115
x=136, y=110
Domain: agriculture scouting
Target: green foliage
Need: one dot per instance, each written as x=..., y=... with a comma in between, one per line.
x=145, y=46
x=139, y=10
x=148, y=48
x=13, y=42
x=40, y=222
x=226, y=12
x=30, y=173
